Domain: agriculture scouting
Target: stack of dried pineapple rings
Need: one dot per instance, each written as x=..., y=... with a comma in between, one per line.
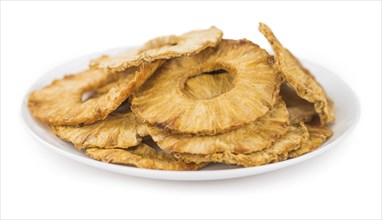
x=183, y=102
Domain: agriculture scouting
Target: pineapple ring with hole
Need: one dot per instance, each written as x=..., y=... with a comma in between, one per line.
x=300, y=78
x=60, y=103
x=254, y=136
x=161, y=101
x=165, y=47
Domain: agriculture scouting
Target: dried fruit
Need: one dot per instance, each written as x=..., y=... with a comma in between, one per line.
x=212, y=100
x=318, y=134
x=293, y=139
x=256, y=82
x=118, y=130
x=252, y=137
x=161, y=48
x=60, y=103
x=300, y=78
x=141, y=156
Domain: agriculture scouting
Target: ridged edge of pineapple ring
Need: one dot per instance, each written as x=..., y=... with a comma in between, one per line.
x=296, y=137
x=165, y=47
x=254, y=136
x=142, y=156
x=118, y=130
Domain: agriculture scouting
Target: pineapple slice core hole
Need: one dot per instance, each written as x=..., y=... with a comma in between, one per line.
x=208, y=85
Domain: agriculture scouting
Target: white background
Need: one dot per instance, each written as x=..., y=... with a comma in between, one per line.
x=345, y=37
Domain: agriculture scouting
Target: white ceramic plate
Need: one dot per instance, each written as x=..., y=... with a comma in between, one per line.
x=347, y=115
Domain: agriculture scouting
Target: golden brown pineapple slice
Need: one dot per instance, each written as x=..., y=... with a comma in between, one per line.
x=118, y=130
x=254, y=136
x=60, y=103
x=166, y=47
x=300, y=78
x=296, y=136
x=318, y=134
x=142, y=156
x=255, y=85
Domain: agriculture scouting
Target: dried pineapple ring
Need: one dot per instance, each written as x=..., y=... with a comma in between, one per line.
x=296, y=136
x=142, y=156
x=161, y=48
x=300, y=78
x=60, y=103
x=161, y=101
x=118, y=130
x=252, y=137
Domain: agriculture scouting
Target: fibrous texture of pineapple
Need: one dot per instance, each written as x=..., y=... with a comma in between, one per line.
x=141, y=156
x=254, y=136
x=201, y=98
x=118, y=130
x=296, y=137
x=318, y=134
x=299, y=78
x=166, y=47
x=162, y=102
x=60, y=103
x=99, y=62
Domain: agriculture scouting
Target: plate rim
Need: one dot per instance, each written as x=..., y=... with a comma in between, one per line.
x=200, y=175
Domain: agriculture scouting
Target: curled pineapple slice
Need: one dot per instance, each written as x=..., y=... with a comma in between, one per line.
x=165, y=47
x=300, y=78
